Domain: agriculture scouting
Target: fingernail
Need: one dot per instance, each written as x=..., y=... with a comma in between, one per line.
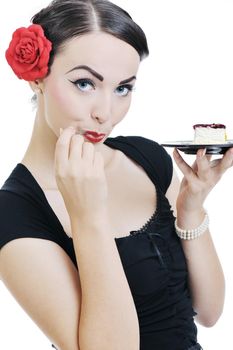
x=72, y=128
x=61, y=130
x=202, y=153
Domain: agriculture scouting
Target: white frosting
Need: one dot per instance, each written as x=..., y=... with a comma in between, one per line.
x=208, y=135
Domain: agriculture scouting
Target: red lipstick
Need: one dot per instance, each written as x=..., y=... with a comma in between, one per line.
x=93, y=136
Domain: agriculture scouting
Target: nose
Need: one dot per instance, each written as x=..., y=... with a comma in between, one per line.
x=102, y=109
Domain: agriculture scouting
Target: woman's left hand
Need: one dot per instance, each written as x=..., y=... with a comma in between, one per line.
x=200, y=178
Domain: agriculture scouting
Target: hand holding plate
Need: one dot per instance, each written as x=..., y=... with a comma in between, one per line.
x=200, y=178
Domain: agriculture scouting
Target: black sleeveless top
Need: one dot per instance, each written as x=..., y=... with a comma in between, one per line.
x=152, y=257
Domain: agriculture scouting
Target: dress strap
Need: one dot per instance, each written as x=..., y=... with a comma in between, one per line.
x=148, y=154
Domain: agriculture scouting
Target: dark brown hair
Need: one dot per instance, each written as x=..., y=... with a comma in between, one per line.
x=64, y=19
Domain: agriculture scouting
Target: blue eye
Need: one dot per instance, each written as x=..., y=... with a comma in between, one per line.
x=124, y=90
x=84, y=84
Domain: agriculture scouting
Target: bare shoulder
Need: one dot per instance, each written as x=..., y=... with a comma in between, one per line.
x=45, y=282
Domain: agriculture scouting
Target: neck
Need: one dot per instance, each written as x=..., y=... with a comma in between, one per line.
x=39, y=156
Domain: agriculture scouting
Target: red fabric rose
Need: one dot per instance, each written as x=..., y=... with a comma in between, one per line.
x=28, y=53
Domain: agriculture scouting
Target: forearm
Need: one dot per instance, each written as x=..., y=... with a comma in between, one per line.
x=108, y=317
x=206, y=277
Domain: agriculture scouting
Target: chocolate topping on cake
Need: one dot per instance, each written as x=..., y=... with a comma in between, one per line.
x=214, y=126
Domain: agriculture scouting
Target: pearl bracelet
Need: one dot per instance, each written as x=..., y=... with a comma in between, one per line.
x=193, y=233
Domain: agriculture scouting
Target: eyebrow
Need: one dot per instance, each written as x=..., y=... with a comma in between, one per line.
x=99, y=76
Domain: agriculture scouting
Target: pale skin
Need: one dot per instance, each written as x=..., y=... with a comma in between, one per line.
x=84, y=189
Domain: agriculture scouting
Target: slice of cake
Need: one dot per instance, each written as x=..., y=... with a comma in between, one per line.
x=209, y=134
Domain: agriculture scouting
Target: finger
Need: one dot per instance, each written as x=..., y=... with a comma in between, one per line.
x=214, y=163
x=88, y=152
x=76, y=146
x=227, y=161
x=98, y=164
x=62, y=148
x=208, y=156
x=203, y=165
x=182, y=165
x=194, y=166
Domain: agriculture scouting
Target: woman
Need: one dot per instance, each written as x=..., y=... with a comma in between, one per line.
x=102, y=263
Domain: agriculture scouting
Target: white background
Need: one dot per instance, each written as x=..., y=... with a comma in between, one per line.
x=187, y=79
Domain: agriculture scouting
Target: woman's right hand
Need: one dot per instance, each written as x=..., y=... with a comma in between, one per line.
x=80, y=176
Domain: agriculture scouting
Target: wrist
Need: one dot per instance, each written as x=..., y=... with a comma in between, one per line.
x=192, y=232
x=190, y=218
x=90, y=222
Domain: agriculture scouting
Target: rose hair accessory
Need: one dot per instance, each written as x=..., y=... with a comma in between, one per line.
x=28, y=53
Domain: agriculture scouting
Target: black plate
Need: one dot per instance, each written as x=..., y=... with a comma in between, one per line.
x=189, y=147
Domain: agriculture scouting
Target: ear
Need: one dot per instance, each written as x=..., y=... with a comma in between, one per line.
x=36, y=86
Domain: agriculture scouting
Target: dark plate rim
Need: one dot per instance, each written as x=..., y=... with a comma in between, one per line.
x=189, y=144
x=190, y=148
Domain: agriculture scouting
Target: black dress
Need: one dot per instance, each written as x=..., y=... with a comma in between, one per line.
x=152, y=257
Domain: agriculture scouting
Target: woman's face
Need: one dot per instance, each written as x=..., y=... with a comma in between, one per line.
x=90, y=84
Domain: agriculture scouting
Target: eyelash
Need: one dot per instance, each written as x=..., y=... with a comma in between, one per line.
x=127, y=86
x=83, y=80
x=130, y=87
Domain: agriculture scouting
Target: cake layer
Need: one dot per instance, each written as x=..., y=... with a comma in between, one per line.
x=209, y=133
